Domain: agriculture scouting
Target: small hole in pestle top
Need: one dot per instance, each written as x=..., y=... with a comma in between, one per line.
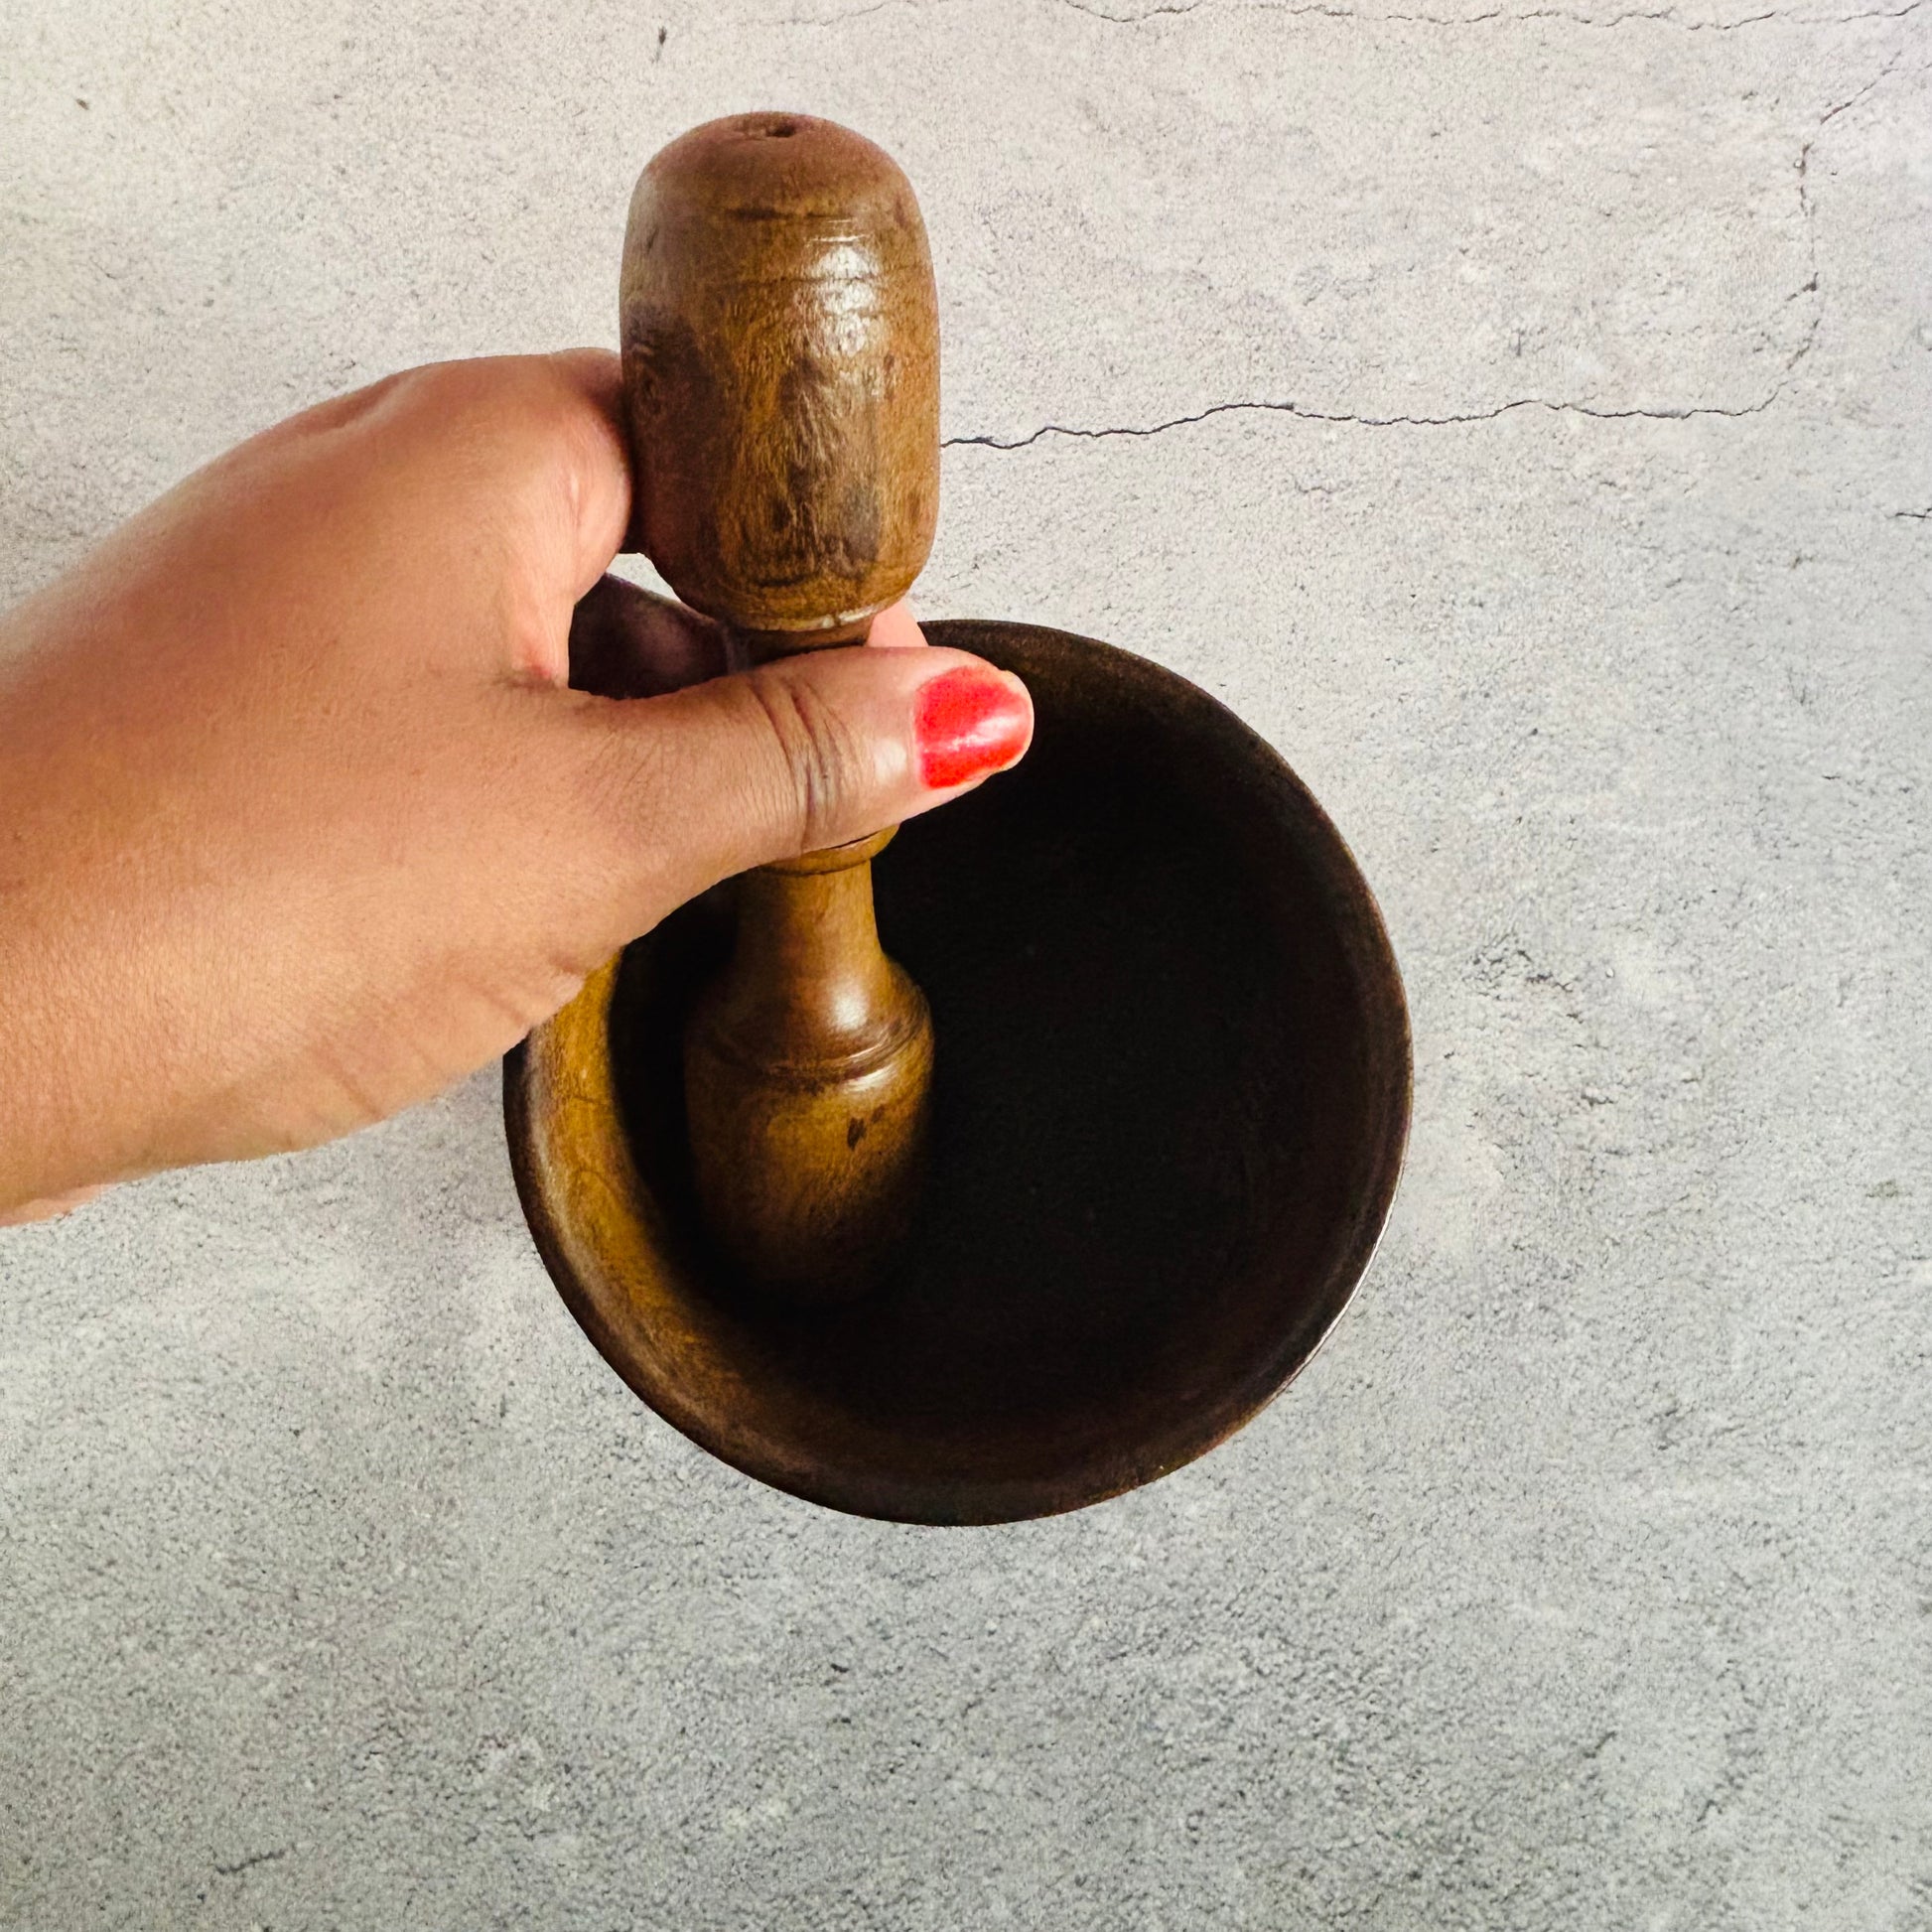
x=781, y=130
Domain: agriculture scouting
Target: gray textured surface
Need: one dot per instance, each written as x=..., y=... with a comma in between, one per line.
x=1520, y=415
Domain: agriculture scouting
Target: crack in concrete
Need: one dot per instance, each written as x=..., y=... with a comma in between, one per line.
x=1808, y=210
x=1812, y=286
x=1666, y=16
x=1661, y=16
x=1326, y=10
x=1133, y=20
x=1455, y=420
x=839, y=20
x=1915, y=516
x=249, y=1863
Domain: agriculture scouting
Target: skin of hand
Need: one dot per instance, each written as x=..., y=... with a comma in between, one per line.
x=315, y=798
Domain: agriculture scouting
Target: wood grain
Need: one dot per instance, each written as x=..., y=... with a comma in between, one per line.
x=781, y=382
x=781, y=374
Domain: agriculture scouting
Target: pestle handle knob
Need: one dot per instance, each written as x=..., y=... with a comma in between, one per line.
x=781, y=377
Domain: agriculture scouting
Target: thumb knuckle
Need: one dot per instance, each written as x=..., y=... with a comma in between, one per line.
x=819, y=756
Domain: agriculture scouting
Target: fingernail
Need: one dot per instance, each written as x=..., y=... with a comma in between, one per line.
x=969, y=722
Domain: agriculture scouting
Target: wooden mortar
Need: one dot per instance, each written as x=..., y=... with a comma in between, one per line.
x=1174, y=1077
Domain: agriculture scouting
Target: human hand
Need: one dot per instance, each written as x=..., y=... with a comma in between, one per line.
x=300, y=822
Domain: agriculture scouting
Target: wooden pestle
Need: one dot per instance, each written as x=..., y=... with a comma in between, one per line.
x=781, y=384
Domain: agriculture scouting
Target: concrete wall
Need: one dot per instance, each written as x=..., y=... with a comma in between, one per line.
x=1522, y=415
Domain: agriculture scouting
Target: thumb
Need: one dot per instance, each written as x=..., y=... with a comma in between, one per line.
x=812, y=751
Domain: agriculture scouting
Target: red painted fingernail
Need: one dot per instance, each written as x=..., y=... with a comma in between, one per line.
x=969, y=722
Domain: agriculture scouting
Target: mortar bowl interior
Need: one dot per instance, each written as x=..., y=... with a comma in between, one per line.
x=1170, y=1105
